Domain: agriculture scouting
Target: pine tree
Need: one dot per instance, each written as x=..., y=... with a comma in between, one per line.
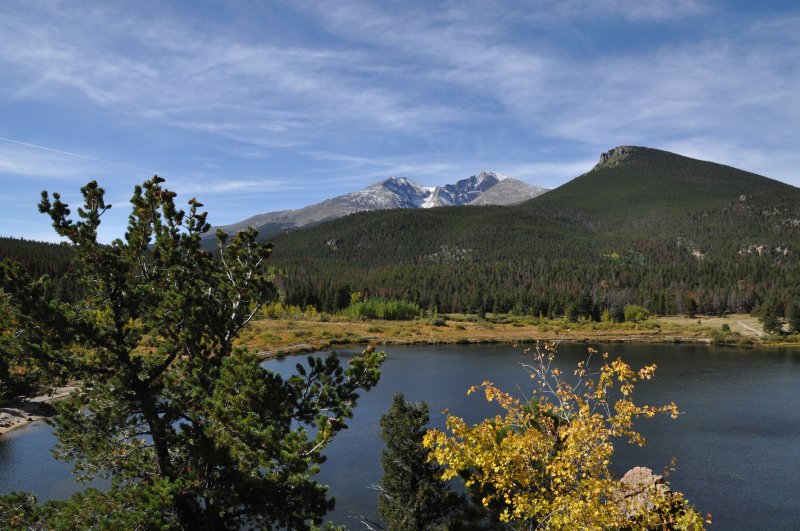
x=412, y=495
x=22, y=339
x=793, y=316
x=770, y=315
x=191, y=430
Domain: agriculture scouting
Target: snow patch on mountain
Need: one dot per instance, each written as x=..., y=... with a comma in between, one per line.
x=396, y=192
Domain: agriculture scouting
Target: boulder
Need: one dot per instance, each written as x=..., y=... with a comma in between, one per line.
x=639, y=488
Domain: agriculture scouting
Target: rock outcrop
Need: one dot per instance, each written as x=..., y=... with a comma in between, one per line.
x=640, y=487
x=613, y=156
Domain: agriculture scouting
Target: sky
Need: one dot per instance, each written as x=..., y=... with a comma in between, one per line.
x=260, y=106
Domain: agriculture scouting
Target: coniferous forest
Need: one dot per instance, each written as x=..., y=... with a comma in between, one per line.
x=673, y=234
x=148, y=333
x=379, y=265
x=40, y=258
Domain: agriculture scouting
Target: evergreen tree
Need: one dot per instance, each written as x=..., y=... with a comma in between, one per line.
x=25, y=365
x=412, y=495
x=689, y=305
x=770, y=315
x=193, y=432
x=9, y=383
x=793, y=315
x=617, y=313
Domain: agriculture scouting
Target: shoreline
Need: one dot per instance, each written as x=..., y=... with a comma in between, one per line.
x=14, y=415
x=291, y=335
x=305, y=348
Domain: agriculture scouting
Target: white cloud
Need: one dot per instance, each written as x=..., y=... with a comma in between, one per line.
x=284, y=96
x=18, y=162
x=435, y=93
x=238, y=186
x=237, y=88
x=657, y=11
x=738, y=85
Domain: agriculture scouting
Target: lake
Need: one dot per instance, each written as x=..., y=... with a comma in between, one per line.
x=737, y=444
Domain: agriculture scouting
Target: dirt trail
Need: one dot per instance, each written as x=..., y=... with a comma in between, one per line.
x=759, y=333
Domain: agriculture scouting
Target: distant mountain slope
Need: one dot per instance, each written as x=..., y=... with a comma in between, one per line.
x=633, y=194
x=633, y=183
x=508, y=192
x=643, y=225
x=464, y=191
x=394, y=192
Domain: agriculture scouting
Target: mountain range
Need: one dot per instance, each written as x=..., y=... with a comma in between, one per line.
x=642, y=226
x=631, y=194
x=484, y=188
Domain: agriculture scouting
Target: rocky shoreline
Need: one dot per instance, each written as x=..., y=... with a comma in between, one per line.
x=14, y=415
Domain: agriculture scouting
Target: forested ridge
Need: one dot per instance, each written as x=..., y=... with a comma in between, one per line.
x=647, y=227
x=674, y=234
x=197, y=434
x=42, y=258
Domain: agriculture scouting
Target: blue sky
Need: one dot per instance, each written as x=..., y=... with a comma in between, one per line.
x=254, y=108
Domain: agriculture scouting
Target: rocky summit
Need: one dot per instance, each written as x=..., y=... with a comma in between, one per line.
x=484, y=188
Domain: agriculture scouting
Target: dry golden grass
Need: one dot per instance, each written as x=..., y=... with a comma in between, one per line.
x=744, y=324
x=284, y=336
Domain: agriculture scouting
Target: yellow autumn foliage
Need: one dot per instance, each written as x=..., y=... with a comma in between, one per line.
x=544, y=463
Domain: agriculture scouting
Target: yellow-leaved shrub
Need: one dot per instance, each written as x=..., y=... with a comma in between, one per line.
x=545, y=462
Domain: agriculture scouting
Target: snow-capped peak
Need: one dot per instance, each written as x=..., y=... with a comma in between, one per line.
x=491, y=174
x=399, y=192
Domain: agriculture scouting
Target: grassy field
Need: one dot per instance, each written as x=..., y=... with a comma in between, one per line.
x=301, y=333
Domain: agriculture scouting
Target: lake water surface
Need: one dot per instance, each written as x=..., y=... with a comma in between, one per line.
x=737, y=444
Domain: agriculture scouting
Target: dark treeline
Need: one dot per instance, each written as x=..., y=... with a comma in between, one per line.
x=726, y=260
x=646, y=227
x=42, y=258
x=706, y=239
x=547, y=287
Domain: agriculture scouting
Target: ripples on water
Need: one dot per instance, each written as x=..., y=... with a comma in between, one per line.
x=737, y=444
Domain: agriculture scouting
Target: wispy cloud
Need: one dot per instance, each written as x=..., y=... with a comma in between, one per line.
x=162, y=69
x=739, y=78
x=741, y=95
x=232, y=186
x=657, y=11
x=25, y=162
x=270, y=106
x=31, y=162
x=286, y=96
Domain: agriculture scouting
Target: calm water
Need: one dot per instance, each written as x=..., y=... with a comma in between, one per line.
x=737, y=444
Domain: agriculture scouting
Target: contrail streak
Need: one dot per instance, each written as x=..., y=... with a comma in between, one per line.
x=78, y=155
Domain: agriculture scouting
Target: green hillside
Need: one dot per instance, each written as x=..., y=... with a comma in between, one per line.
x=643, y=226
x=673, y=234
x=638, y=195
x=636, y=184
